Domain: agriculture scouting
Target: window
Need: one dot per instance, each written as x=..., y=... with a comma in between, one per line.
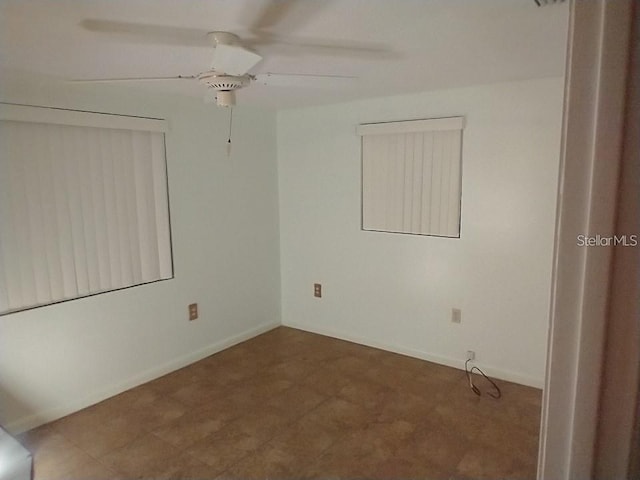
x=83, y=205
x=411, y=176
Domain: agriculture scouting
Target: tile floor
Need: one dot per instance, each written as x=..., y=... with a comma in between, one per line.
x=291, y=404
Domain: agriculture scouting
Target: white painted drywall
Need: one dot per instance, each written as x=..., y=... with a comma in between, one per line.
x=396, y=291
x=224, y=219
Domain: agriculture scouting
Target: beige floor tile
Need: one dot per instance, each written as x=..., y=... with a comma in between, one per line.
x=262, y=424
x=154, y=415
x=326, y=381
x=148, y=457
x=437, y=448
x=349, y=365
x=361, y=453
x=197, y=424
x=138, y=397
x=98, y=439
x=291, y=370
x=510, y=439
x=265, y=386
x=365, y=393
x=198, y=393
x=53, y=455
x=228, y=372
x=88, y=469
x=482, y=462
x=388, y=376
x=401, y=405
x=296, y=401
x=339, y=415
x=288, y=454
x=224, y=448
x=264, y=464
x=185, y=467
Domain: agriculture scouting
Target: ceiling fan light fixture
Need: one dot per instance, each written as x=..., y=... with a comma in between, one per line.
x=225, y=98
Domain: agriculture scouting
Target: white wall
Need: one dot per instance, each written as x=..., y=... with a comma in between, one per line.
x=397, y=291
x=224, y=218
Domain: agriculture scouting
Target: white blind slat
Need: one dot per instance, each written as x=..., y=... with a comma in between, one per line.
x=132, y=207
x=398, y=185
x=108, y=152
x=63, y=212
x=88, y=213
x=161, y=202
x=74, y=180
x=143, y=171
x=98, y=196
x=455, y=184
x=444, y=183
x=50, y=214
x=370, y=171
x=4, y=296
x=407, y=187
x=13, y=231
x=22, y=224
x=416, y=212
x=121, y=157
x=427, y=171
x=36, y=223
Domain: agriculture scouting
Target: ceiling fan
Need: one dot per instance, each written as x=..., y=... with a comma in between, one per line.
x=233, y=58
x=230, y=72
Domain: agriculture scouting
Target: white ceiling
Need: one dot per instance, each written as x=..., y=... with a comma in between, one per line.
x=423, y=44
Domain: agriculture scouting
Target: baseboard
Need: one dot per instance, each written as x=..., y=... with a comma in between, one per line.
x=40, y=418
x=499, y=373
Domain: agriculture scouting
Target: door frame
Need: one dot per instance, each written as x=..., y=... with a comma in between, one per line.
x=590, y=163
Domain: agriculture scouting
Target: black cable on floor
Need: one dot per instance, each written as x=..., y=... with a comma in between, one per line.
x=474, y=388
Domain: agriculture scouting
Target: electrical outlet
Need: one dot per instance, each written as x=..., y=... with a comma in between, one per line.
x=317, y=290
x=456, y=315
x=471, y=355
x=193, y=311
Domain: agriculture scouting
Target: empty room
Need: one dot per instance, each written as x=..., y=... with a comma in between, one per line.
x=317, y=239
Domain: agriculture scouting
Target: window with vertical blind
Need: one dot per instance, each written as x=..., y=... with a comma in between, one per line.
x=83, y=205
x=411, y=176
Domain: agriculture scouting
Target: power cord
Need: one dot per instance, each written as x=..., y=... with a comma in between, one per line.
x=475, y=389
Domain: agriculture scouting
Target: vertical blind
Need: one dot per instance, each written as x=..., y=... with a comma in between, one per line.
x=411, y=176
x=83, y=209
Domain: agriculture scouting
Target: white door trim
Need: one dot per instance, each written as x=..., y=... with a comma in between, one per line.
x=588, y=182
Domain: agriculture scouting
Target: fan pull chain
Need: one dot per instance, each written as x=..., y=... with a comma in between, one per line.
x=230, y=125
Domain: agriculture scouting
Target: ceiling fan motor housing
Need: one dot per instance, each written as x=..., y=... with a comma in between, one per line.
x=225, y=86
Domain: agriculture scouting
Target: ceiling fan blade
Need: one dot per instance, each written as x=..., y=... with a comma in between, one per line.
x=133, y=79
x=305, y=80
x=275, y=11
x=271, y=14
x=148, y=34
x=234, y=59
x=287, y=45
